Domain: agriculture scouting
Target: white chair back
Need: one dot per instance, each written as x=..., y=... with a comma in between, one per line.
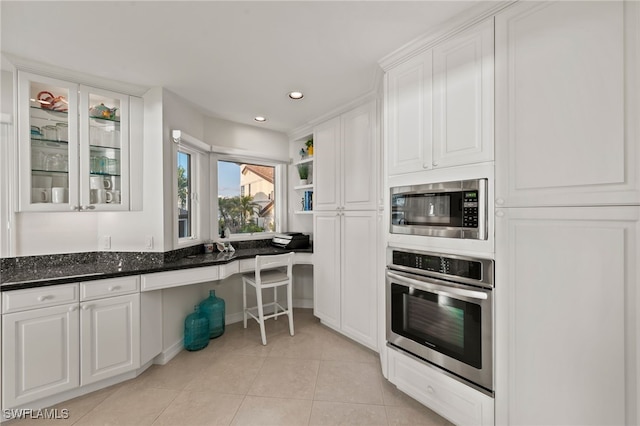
x=274, y=261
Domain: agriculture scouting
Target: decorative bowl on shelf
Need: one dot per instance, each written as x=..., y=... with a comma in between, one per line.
x=102, y=111
x=54, y=103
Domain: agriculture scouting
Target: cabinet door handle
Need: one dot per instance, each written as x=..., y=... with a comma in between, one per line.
x=43, y=298
x=74, y=207
x=500, y=213
x=500, y=201
x=87, y=207
x=431, y=389
x=73, y=308
x=113, y=288
x=86, y=307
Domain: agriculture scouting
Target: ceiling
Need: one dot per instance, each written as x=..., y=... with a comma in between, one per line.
x=232, y=59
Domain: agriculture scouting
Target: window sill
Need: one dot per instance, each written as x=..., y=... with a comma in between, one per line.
x=245, y=237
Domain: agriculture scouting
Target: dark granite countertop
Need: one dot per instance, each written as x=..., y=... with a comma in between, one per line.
x=38, y=274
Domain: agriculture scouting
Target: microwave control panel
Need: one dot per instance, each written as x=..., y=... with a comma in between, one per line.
x=470, y=209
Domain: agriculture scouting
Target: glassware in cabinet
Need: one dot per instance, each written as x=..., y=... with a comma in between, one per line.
x=104, y=147
x=47, y=150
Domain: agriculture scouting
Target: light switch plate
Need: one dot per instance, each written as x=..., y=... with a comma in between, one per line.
x=148, y=242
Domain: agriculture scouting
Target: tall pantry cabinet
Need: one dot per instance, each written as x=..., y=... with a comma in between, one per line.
x=345, y=224
x=568, y=213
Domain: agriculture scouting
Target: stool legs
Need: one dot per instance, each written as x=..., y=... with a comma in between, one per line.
x=244, y=302
x=261, y=316
x=290, y=307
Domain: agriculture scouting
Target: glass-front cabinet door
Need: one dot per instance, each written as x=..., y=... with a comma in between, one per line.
x=104, y=149
x=73, y=146
x=48, y=149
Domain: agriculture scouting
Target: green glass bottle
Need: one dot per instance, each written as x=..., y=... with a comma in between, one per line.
x=196, y=330
x=213, y=308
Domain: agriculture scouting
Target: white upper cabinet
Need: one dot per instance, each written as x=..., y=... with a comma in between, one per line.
x=328, y=158
x=439, y=104
x=567, y=112
x=73, y=146
x=345, y=150
x=463, y=98
x=409, y=103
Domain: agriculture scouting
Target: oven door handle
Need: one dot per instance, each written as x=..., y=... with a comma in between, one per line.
x=450, y=292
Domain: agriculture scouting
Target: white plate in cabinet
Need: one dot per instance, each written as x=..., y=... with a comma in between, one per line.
x=110, y=287
x=180, y=277
x=40, y=297
x=456, y=401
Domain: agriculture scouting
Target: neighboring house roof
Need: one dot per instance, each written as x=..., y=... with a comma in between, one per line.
x=265, y=172
x=266, y=209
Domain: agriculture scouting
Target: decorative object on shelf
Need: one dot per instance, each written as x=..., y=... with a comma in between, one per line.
x=309, y=145
x=303, y=172
x=307, y=201
x=225, y=247
x=208, y=247
x=213, y=308
x=196, y=330
x=101, y=111
x=54, y=103
x=302, y=153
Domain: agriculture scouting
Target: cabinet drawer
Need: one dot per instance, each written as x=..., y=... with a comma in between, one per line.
x=177, y=278
x=229, y=269
x=247, y=265
x=456, y=401
x=32, y=298
x=111, y=287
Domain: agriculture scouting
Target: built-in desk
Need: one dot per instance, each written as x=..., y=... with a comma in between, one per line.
x=235, y=264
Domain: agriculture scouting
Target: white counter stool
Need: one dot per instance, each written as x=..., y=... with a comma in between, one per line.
x=267, y=276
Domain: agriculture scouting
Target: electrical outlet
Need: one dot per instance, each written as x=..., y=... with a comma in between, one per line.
x=106, y=242
x=148, y=242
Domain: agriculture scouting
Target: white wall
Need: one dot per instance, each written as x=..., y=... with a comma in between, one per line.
x=129, y=230
x=249, y=138
x=6, y=166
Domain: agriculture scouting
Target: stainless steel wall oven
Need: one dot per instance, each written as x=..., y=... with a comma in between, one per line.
x=456, y=209
x=440, y=308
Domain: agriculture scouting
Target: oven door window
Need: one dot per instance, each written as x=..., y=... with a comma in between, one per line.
x=437, y=209
x=442, y=323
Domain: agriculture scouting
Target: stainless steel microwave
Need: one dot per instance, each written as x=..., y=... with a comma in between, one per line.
x=456, y=209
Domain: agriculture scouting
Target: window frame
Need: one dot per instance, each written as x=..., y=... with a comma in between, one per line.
x=279, y=189
x=196, y=158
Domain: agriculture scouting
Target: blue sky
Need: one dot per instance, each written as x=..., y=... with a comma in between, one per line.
x=228, y=176
x=228, y=179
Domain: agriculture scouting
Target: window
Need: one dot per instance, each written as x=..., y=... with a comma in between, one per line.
x=190, y=174
x=185, y=216
x=246, y=197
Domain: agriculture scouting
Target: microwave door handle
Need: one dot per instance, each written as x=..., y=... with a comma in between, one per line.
x=450, y=292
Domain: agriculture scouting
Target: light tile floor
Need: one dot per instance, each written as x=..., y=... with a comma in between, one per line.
x=316, y=377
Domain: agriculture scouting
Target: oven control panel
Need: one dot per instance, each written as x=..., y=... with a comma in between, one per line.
x=464, y=268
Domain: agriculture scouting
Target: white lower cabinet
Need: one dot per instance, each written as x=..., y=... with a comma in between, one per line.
x=567, y=325
x=344, y=278
x=456, y=401
x=110, y=337
x=40, y=355
x=52, y=349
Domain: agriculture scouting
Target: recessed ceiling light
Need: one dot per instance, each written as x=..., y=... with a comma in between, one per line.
x=260, y=119
x=296, y=95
